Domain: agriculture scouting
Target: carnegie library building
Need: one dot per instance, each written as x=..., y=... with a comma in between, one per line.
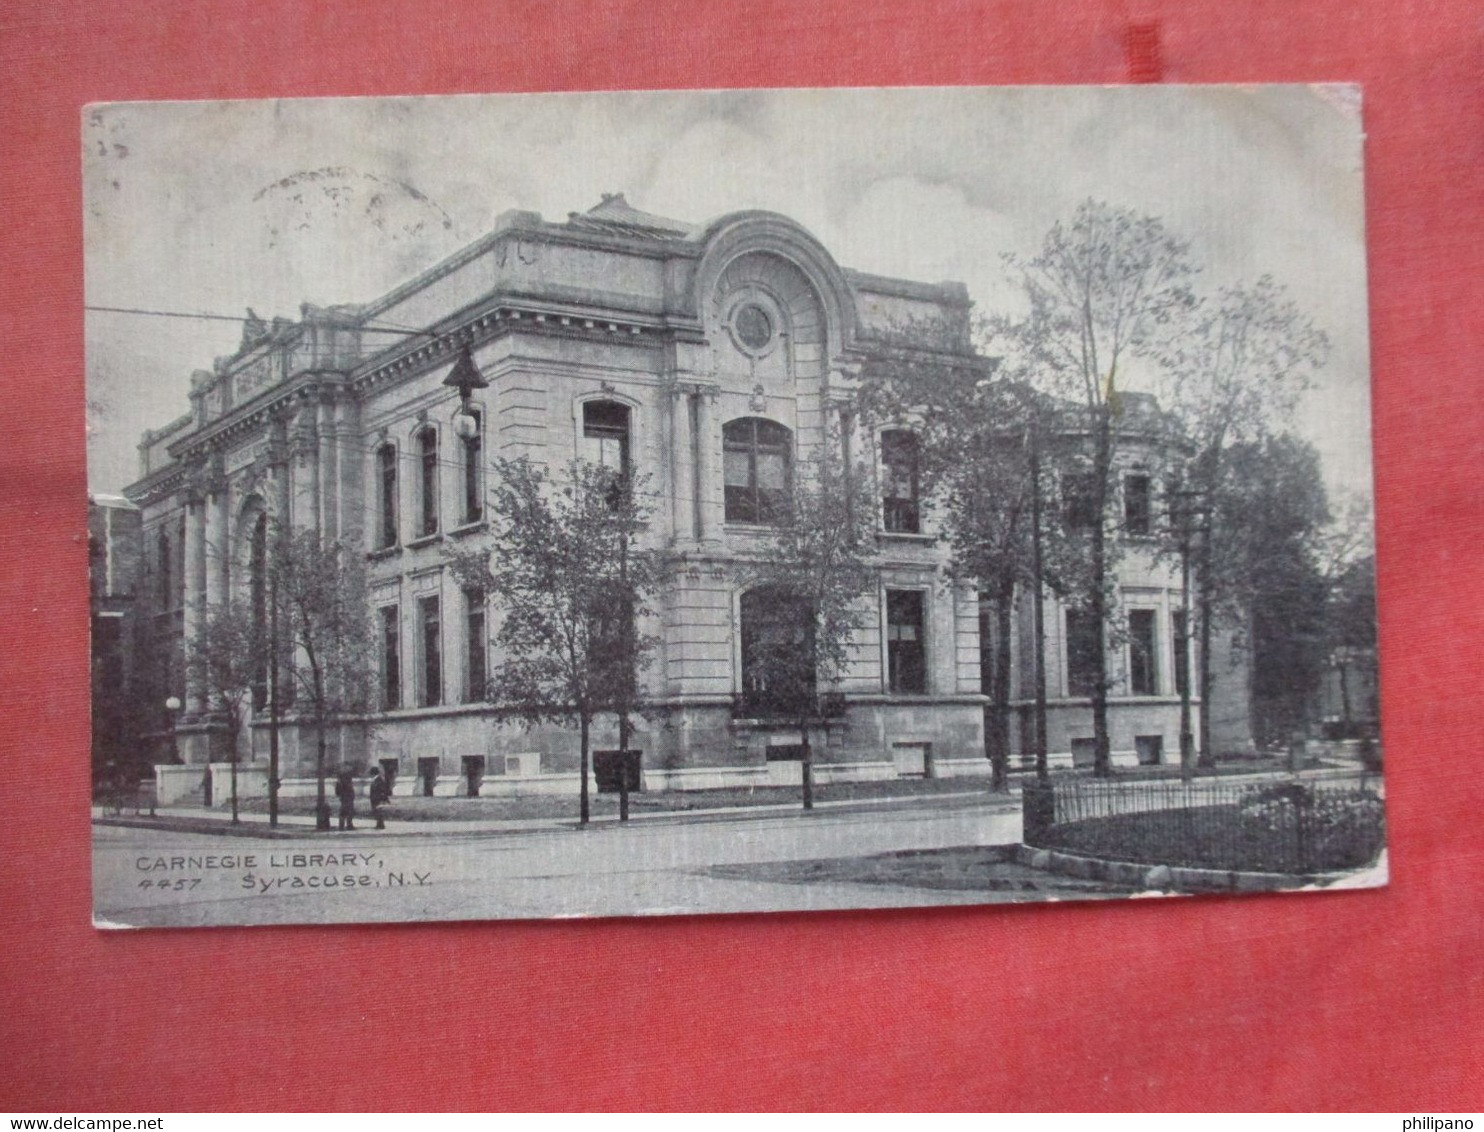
x=709, y=359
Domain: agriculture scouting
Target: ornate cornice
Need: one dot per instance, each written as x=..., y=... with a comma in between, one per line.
x=506, y=315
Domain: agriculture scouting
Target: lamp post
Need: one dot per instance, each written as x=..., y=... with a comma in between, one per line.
x=1186, y=506
x=172, y=710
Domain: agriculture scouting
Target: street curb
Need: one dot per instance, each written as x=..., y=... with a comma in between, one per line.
x=1166, y=877
x=214, y=827
x=256, y=826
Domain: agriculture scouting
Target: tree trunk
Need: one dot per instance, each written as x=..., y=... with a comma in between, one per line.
x=321, y=805
x=1038, y=614
x=232, y=738
x=1208, y=756
x=273, y=692
x=1182, y=660
x=584, y=811
x=1102, y=758
x=806, y=766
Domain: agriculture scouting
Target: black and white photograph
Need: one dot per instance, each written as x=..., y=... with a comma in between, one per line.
x=640, y=503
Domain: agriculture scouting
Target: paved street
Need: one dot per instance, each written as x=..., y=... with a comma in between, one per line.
x=148, y=877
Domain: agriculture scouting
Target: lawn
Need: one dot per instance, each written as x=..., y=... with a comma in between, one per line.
x=1224, y=837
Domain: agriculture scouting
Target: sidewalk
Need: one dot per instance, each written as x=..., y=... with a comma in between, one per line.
x=198, y=819
x=217, y=821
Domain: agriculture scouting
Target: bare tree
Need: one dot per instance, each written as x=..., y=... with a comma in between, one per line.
x=1237, y=365
x=1098, y=293
x=571, y=585
x=815, y=568
x=226, y=659
x=981, y=438
x=320, y=587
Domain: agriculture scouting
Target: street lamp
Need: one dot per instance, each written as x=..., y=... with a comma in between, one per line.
x=465, y=377
x=172, y=709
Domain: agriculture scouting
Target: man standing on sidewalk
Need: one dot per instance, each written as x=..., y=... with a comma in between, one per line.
x=380, y=793
x=345, y=790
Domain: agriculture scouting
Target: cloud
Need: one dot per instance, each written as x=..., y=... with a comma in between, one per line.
x=182, y=212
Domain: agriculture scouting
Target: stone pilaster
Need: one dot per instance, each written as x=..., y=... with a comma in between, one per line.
x=217, y=551
x=326, y=466
x=305, y=469
x=194, y=593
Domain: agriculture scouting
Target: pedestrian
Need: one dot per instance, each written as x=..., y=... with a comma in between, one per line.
x=380, y=792
x=345, y=790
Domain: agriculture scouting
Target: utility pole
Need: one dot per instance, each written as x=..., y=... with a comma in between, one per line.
x=1038, y=605
x=1184, y=509
x=273, y=696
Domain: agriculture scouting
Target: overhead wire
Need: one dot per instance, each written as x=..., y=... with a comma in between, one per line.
x=414, y=457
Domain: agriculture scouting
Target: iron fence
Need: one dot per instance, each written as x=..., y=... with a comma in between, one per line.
x=1277, y=825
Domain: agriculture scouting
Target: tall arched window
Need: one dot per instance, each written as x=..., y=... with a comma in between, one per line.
x=427, y=450
x=257, y=573
x=605, y=441
x=386, y=487
x=473, y=458
x=901, y=512
x=757, y=458
x=164, y=552
x=778, y=658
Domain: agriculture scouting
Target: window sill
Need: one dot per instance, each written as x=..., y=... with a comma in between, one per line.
x=906, y=536
x=425, y=540
x=469, y=528
x=383, y=552
x=749, y=528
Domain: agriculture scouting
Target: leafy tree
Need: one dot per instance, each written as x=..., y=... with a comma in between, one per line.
x=320, y=587
x=226, y=658
x=1350, y=627
x=1238, y=365
x=984, y=437
x=1347, y=559
x=816, y=566
x=1269, y=518
x=571, y=584
x=1099, y=293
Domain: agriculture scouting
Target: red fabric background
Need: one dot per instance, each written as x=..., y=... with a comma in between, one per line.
x=1356, y=1000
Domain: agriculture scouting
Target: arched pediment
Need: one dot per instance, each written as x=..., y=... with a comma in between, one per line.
x=743, y=233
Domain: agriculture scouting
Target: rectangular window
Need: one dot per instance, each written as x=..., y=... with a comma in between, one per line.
x=1078, y=500
x=386, y=457
x=905, y=658
x=476, y=686
x=901, y=512
x=756, y=456
x=1136, y=511
x=605, y=441
x=428, y=487
x=1182, y=651
x=391, y=659
x=431, y=639
x=473, y=481
x=605, y=435
x=1143, y=678
x=1083, y=669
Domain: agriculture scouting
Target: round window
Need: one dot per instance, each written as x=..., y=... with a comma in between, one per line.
x=753, y=327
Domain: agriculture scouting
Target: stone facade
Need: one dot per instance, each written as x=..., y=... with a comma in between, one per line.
x=701, y=355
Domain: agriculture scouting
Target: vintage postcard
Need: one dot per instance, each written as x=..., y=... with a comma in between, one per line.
x=736, y=501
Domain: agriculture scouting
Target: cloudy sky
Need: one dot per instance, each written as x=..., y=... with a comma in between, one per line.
x=214, y=207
